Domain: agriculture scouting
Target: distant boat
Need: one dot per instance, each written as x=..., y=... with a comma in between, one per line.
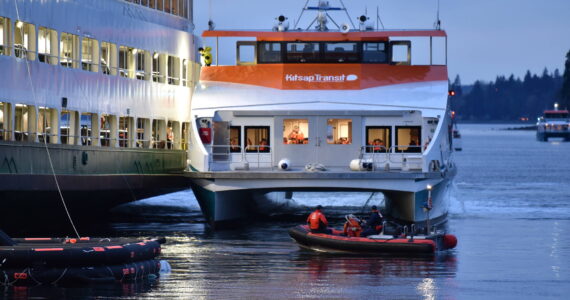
x=455, y=134
x=553, y=123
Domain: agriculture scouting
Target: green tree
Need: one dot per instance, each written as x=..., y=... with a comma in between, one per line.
x=565, y=90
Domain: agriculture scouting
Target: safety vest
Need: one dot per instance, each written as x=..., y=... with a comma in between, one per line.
x=352, y=228
x=315, y=219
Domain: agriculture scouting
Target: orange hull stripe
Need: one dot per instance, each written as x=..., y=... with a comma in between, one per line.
x=323, y=76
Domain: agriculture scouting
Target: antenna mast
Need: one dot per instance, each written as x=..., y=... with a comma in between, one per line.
x=322, y=14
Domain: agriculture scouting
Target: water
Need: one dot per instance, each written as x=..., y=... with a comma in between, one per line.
x=510, y=211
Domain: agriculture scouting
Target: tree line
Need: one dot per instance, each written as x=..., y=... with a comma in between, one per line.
x=511, y=98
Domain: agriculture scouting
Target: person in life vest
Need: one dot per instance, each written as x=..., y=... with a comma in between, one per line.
x=352, y=226
x=374, y=223
x=318, y=222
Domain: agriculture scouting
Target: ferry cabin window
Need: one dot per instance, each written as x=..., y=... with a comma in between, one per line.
x=341, y=52
x=185, y=135
x=25, y=40
x=269, y=52
x=47, y=46
x=89, y=54
x=124, y=131
x=408, y=139
x=155, y=67
x=173, y=70
x=558, y=115
x=374, y=53
x=47, y=125
x=257, y=139
x=339, y=131
x=185, y=73
x=2, y=129
x=4, y=36
x=64, y=127
x=295, y=131
x=246, y=53
x=108, y=58
x=86, y=128
x=142, y=135
x=142, y=64
x=69, y=50
x=159, y=4
x=23, y=116
x=235, y=139
x=303, y=52
x=378, y=139
x=105, y=131
x=127, y=62
x=172, y=127
x=401, y=52
x=159, y=134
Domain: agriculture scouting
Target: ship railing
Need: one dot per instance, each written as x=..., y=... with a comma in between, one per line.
x=408, y=156
x=173, y=80
x=233, y=154
x=48, y=58
x=157, y=77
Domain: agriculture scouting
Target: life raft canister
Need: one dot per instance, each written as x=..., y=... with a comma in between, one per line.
x=205, y=135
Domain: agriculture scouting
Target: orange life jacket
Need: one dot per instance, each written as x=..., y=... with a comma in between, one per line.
x=315, y=219
x=352, y=228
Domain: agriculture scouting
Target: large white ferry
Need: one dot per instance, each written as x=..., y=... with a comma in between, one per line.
x=98, y=93
x=323, y=110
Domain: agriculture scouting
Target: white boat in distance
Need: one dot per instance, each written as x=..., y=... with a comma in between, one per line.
x=323, y=110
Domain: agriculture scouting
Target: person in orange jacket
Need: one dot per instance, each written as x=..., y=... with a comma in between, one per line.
x=352, y=226
x=318, y=222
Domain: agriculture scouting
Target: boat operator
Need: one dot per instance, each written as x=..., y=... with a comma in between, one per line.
x=318, y=222
x=374, y=223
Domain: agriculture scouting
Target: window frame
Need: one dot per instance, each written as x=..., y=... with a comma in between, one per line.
x=240, y=144
x=245, y=128
x=388, y=145
x=413, y=150
x=281, y=52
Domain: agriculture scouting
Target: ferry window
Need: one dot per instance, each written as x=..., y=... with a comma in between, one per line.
x=142, y=133
x=374, y=52
x=557, y=115
x=295, y=131
x=47, y=125
x=158, y=134
x=125, y=131
x=171, y=134
x=105, y=130
x=378, y=139
x=152, y=3
x=89, y=54
x=86, y=128
x=159, y=4
x=185, y=81
x=257, y=139
x=401, y=52
x=2, y=129
x=181, y=7
x=246, y=53
x=173, y=70
x=339, y=131
x=303, y=52
x=24, y=114
x=235, y=138
x=126, y=62
x=174, y=7
x=408, y=139
x=144, y=2
x=155, y=67
x=47, y=46
x=269, y=52
x=109, y=58
x=341, y=52
x=67, y=127
x=142, y=62
x=167, y=6
x=185, y=135
x=4, y=36
x=25, y=40
x=68, y=51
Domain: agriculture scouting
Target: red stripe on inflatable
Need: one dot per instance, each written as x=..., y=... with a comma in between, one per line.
x=114, y=247
x=48, y=249
x=367, y=240
x=84, y=238
x=37, y=239
x=99, y=249
x=141, y=243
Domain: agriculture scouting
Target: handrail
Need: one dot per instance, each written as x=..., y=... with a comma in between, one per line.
x=243, y=152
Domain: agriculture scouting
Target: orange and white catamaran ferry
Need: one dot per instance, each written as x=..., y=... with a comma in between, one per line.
x=323, y=110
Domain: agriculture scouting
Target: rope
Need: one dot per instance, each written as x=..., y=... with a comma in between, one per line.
x=45, y=135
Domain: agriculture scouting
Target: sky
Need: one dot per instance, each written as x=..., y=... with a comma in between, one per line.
x=486, y=38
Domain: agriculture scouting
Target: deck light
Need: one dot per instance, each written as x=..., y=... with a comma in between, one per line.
x=451, y=93
x=429, y=187
x=155, y=56
x=19, y=24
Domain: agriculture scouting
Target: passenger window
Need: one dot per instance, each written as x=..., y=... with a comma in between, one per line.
x=105, y=131
x=401, y=52
x=159, y=4
x=246, y=53
x=374, y=52
x=4, y=36
x=126, y=62
x=90, y=55
x=295, y=131
x=156, y=67
x=142, y=62
x=47, y=125
x=23, y=116
x=235, y=139
x=339, y=131
x=408, y=139
x=2, y=121
x=142, y=135
x=125, y=129
x=47, y=46
x=341, y=52
x=378, y=139
x=68, y=51
x=185, y=73
x=86, y=125
x=269, y=53
x=185, y=135
x=64, y=127
x=173, y=70
x=303, y=52
x=159, y=134
x=108, y=58
x=25, y=40
x=257, y=139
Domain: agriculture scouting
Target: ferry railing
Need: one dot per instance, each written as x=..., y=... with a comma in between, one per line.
x=48, y=58
x=379, y=154
x=404, y=152
x=228, y=156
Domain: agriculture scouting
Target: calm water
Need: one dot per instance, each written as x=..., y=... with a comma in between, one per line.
x=510, y=211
